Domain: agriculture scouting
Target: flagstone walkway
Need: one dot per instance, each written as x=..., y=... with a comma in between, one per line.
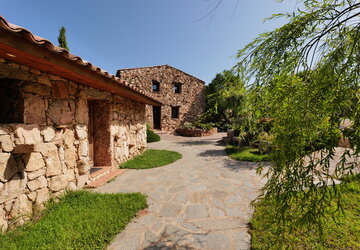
x=199, y=202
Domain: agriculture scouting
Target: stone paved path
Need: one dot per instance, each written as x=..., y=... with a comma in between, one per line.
x=199, y=202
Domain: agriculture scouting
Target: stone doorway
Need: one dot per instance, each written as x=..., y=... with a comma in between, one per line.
x=157, y=117
x=99, y=133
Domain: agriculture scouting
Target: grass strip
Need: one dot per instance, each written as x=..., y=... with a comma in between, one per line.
x=245, y=154
x=152, y=158
x=342, y=232
x=80, y=220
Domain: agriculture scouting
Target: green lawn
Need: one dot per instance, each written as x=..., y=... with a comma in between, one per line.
x=152, y=158
x=343, y=234
x=245, y=154
x=81, y=220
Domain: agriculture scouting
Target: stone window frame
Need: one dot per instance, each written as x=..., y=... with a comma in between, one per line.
x=155, y=87
x=177, y=87
x=175, y=112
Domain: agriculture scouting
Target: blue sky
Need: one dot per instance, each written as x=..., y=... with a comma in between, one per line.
x=115, y=34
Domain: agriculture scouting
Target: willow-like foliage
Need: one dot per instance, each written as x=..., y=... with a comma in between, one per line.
x=305, y=76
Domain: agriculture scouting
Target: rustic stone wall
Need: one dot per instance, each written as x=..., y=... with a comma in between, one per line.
x=47, y=152
x=191, y=100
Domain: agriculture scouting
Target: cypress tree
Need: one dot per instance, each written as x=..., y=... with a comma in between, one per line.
x=62, y=38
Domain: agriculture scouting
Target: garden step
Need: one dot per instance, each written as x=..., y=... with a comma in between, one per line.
x=160, y=132
x=104, y=178
x=97, y=172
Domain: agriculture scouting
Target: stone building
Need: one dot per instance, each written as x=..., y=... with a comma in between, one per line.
x=61, y=119
x=182, y=95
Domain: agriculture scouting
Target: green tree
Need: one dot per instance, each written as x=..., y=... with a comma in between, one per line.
x=225, y=99
x=306, y=74
x=62, y=38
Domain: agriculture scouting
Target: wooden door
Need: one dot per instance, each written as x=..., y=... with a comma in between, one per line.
x=91, y=131
x=157, y=117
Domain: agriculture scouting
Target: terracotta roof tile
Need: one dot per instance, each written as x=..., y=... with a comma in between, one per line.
x=66, y=54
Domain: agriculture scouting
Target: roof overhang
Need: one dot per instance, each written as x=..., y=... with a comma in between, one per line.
x=18, y=48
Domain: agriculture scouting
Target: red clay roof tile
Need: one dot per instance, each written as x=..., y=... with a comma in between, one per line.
x=66, y=54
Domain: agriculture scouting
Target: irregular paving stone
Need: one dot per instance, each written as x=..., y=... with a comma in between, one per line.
x=216, y=212
x=147, y=219
x=219, y=193
x=212, y=240
x=191, y=227
x=126, y=241
x=158, y=227
x=154, y=196
x=220, y=224
x=170, y=210
x=198, y=197
x=177, y=234
x=197, y=188
x=176, y=189
x=181, y=197
x=234, y=199
x=196, y=212
x=241, y=239
x=149, y=238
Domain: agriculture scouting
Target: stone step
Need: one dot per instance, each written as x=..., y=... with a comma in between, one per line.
x=99, y=171
x=104, y=178
x=160, y=132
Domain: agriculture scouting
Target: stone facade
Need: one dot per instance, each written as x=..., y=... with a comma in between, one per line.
x=45, y=140
x=190, y=100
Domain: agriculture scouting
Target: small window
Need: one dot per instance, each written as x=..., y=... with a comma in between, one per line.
x=177, y=87
x=11, y=102
x=175, y=112
x=155, y=86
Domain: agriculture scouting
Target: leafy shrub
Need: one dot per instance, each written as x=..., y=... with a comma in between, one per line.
x=187, y=125
x=197, y=125
x=204, y=126
x=151, y=135
x=264, y=136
